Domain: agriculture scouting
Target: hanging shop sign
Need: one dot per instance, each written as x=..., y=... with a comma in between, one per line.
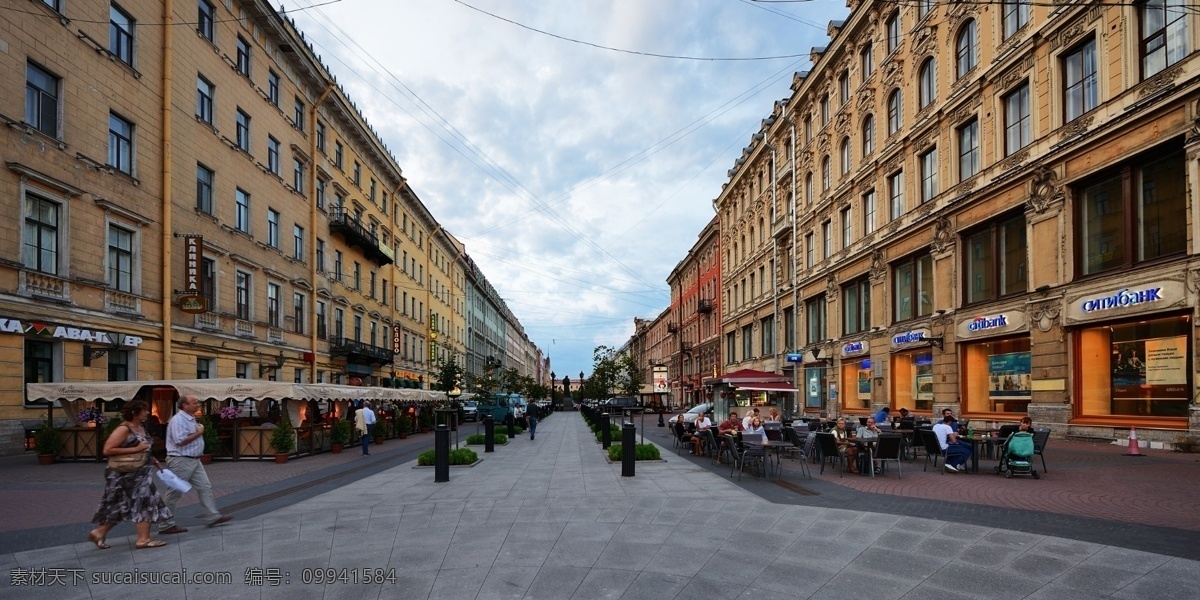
x=397, y=347
x=193, y=300
x=909, y=339
x=68, y=332
x=1134, y=299
x=993, y=324
x=857, y=348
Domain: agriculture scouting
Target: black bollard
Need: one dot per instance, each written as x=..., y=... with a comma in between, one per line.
x=510, y=419
x=628, y=449
x=441, y=449
x=661, y=411
x=605, y=433
x=489, y=430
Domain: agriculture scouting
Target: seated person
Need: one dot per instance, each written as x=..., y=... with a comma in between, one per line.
x=957, y=451
x=904, y=414
x=948, y=417
x=1026, y=425
x=846, y=445
x=702, y=423
x=756, y=426
x=868, y=432
x=731, y=424
x=746, y=419
x=884, y=415
x=774, y=416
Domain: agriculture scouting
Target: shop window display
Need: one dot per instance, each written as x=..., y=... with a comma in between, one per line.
x=997, y=376
x=856, y=385
x=912, y=380
x=1135, y=369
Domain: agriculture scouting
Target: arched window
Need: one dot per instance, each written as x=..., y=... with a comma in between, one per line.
x=845, y=155
x=895, y=116
x=751, y=233
x=825, y=173
x=808, y=188
x=928, y=85
x=761, y=231
x=965, y=48
x=868, y=136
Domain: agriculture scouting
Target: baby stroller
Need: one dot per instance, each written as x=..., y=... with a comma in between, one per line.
x=1017, y=456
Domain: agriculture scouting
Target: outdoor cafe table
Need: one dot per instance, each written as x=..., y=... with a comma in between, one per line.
x=975, y=441
x=776, y=448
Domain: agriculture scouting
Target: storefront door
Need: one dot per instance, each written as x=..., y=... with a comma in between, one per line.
x=815, y=384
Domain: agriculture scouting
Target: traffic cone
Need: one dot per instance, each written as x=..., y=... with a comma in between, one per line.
x=1134, y=450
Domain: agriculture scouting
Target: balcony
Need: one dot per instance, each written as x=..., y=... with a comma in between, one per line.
x=358, y=235
x=274, y=335
x=685, y=347
x=705, y=306
x=120, y=302
x=243, y=328
x=359, y=352
x=45, y=285
x=208, y=320
x=782, y=226
x=672, y=328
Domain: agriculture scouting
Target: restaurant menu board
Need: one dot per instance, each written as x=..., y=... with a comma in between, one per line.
x=1152, y=368
x=1009, y=376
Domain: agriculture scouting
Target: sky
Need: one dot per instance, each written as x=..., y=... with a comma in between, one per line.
x=577, y=176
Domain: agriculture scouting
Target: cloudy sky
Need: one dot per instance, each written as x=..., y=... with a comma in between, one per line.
x=577, y=176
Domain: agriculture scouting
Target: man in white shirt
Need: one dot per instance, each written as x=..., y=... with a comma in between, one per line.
x=956, y=451
x=702, y=423
x=365, y=418
x=185, y=444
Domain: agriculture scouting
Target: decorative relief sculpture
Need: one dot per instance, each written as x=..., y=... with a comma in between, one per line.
x=1045, y=315
x=1044, y=191
x=878, y=266
x=943, y=235
x=831, y=287
x=1160, y=81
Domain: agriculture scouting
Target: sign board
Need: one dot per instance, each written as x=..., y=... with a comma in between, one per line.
x=69, y=332
x=856, y=348
x=192, y=300
x=993, y=324
x=397, y=347
x=909, y=339
x=795, y=358
x=193, y=304
x=660, y=379
x=1131, y=300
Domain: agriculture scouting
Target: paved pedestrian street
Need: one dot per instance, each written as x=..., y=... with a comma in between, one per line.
x=552, y=518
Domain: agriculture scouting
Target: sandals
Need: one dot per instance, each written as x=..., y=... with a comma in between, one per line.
x=150, y=544
x=98, y=541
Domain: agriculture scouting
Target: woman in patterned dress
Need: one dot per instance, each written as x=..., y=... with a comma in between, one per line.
x=130, y=496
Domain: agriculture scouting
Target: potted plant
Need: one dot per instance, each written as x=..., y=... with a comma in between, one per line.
x=426, y=421
x=404, y=424
x=47, y=443
x=282, y=439
x=339, y=434
x=211, y=440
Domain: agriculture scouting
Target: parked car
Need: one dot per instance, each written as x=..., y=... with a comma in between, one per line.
x=619, y=403
x=470, y=411
x=692, y=414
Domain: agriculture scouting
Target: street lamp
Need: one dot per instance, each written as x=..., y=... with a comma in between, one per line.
x=552, y=390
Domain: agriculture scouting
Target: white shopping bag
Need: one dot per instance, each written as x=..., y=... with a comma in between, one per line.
x=171, y=480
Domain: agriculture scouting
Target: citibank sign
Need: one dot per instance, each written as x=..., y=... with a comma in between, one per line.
x=1139, y=298
x=1121, y=299
x=855, y=348
x=911, y=338
x=990, y=325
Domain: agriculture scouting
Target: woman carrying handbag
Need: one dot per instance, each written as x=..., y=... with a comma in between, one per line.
x=129, y=491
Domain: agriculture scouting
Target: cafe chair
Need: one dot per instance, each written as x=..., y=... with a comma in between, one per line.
x=750, y=454
x=752, y=437
x=1041, y=437
x=827, y=443
x=888, y=448
x=797, y=449
x=933, y=450
x=682, y=438
x=712, y=444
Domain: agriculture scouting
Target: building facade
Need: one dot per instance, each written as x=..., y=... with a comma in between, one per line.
x=695, y=303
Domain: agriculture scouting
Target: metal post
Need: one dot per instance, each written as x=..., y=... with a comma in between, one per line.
x=628, y=450
x=510, y=419
x=441, y=449
x=489, y=429
x=605, y=434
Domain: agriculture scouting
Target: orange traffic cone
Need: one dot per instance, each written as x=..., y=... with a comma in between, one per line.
x=1134, y=450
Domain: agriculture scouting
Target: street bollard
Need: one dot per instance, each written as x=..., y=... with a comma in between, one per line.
x=441, y=449
x=510, y=419
x=628, y=449
x=605, y=433
x=661, y=412
x=489, y=430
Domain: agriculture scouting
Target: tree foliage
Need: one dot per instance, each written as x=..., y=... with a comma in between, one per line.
x=613, y=373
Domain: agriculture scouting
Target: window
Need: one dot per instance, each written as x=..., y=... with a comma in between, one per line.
x=321, y=193
x=203, y=365
x=1163, y=34
x=814, y=309
x=847, y=228
x=320, y=319
x=337, y=263
x=205, y=91
x=893, y=32
x=730, y=347
x=243, y=295
x=273, y=228
x=120, y=144
x=929, y=183
x=339, y=323
x=996, y=260
x=41, y=234
x=320, y=255
x=273, y=87
x=867, y=60
x=913, y=281
x=41, y=99
x=923, y=8
x=298, y=314
x=298, y=114
x=120, y=259
x=810, y=256
x=747, y=342
x=1134, y=213
x=371, y=289
x=120, y=34
x=204, y=20
x=242, y=211
x=273, y=155
x=1017, y=132
x=868, y=136
x=856, y=306
x=204, y=189
x=357, y=175
x=824, y=110
x=243, y=130
x=208, y=282
x=895, y=116
x=808, y=129
x=241, y=370
x=357, y=276
x=768, y=336
x=964, y=48
x=118, y=364
x=896, y=194
x=338, y=154
x=928, y=83
x=825, y=175
x=845, y=152
x=1016, y=15
x=298, y=243
x=243, y=56
x=808, y=188
x=968, y=150
x=843, y=88
x=789, y=328
x=1080, y=82
x=358, y=328
x=39, y=361
x=320, y=136
x=1130, y=368
x=826, y=239
x=273, y=305
x=869, y=212
x=371, y=193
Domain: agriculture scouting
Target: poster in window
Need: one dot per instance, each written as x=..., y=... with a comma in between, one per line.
x=924, y=387
x=1009, y=376
x=1151, y=368
x=864, y=383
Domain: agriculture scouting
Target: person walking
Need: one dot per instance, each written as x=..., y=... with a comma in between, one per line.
x=185, y=444
x=129, y=494
x=532, y=415
x=364, y=421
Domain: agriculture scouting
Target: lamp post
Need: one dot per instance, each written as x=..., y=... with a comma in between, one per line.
x=552, y=403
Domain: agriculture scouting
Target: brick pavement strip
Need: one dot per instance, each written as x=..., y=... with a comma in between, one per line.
x=552, y=519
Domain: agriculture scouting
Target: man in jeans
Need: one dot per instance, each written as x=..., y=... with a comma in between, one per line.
x=956, y=451
x=185, y=444
x=364, y=421
x=531, y=415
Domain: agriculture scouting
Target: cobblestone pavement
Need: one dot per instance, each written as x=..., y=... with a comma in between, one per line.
x=552, y=518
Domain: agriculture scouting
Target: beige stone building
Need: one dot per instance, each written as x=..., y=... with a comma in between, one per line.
x=196, y=153
x=994, y=212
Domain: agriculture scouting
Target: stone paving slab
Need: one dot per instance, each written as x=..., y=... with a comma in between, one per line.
x=677, y=531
